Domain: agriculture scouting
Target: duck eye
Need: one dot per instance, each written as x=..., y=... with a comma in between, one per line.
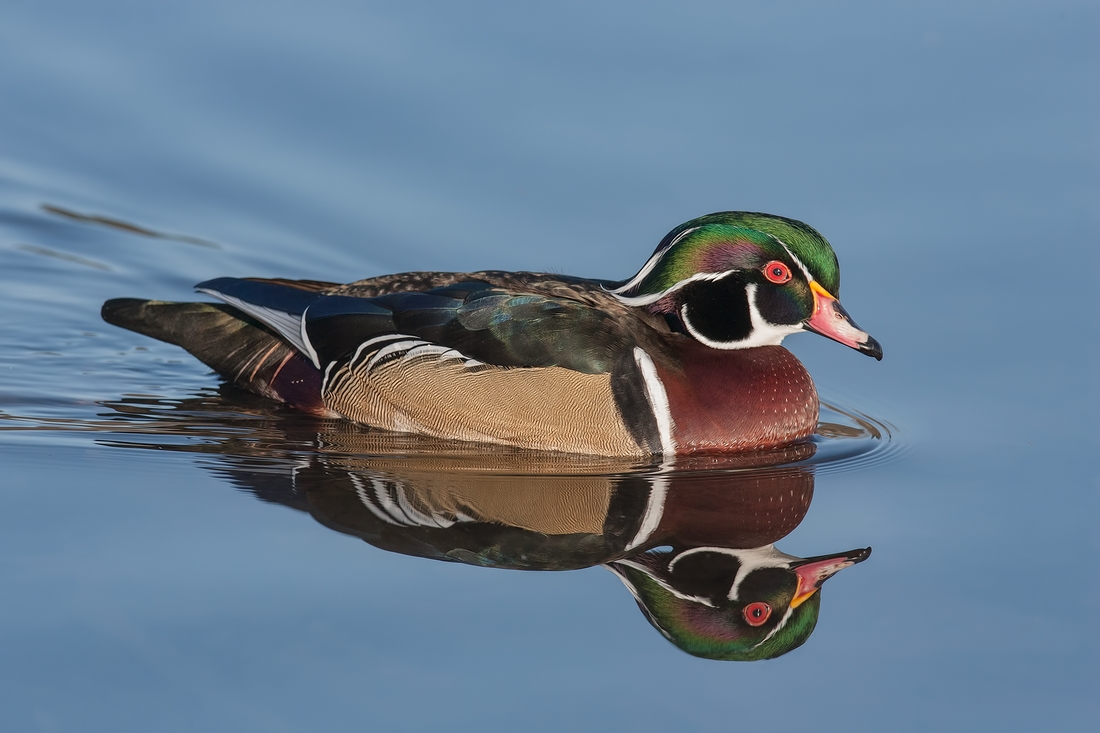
x=757, y=613
x=777, y=272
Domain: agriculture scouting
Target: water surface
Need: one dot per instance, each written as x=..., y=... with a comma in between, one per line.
x=177, y=555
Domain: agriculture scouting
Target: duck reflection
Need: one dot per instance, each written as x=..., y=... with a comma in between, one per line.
x=725, y=603
x=692, y=541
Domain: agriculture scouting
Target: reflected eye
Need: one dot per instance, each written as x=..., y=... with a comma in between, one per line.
x=757, y=613
x=777, y=272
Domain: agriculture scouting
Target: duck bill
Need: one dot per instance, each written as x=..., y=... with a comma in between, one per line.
x=832, y=321
x=814, y=571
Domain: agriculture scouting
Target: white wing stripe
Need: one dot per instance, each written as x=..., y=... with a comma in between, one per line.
x=305, y=340
x=393, y=348
x=372, y=341
x=289, y=326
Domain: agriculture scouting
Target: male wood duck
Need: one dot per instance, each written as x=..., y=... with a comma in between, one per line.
x=684, y=357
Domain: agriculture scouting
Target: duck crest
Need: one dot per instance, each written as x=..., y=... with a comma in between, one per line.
x=713, y=245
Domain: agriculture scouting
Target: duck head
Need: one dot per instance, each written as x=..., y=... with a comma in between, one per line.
x=736, y=280
x=735, y=605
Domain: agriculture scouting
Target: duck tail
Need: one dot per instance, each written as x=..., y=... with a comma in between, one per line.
x=239, y=348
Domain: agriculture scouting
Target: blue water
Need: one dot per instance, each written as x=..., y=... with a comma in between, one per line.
x=948, y=151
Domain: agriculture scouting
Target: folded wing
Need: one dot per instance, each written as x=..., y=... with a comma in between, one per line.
x=467, y=361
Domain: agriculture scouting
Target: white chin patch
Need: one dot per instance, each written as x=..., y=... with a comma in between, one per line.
x=762, y=334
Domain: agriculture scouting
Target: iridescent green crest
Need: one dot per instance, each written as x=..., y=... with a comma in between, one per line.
x=733, y=240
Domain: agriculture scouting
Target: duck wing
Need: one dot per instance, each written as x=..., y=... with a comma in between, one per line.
x=489, y=324
x=468, y=360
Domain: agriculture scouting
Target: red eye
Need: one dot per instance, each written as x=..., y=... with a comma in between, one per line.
x=757, y=613
x=777, y=272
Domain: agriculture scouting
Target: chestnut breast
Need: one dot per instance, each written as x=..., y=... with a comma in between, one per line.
x=739, y=399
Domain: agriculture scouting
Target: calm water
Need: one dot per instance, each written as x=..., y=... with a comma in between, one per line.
x=175, y=555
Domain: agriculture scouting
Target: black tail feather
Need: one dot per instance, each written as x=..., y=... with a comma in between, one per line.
x=236, y=346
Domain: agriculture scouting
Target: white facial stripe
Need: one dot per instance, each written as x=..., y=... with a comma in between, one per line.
x=749, y=560
x=654, y=297
x=754, y=559
x=658, y=400
x=801, y=266
x=762, y=334
x=649, y=574
x=651, y=263
x=782, y=622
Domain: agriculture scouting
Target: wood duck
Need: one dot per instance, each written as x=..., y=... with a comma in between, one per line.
x=684, y=357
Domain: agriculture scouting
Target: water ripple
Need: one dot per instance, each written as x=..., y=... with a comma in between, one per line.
x=224, y=420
